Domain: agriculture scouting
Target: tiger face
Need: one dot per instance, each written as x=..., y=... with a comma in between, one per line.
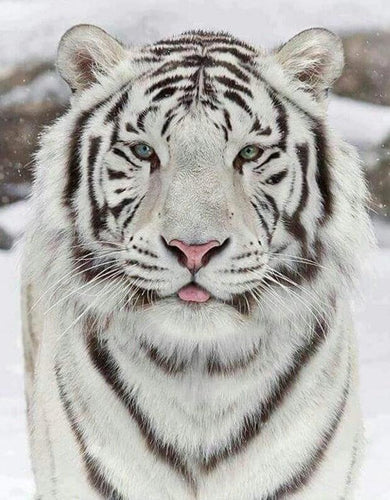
x=198, y=166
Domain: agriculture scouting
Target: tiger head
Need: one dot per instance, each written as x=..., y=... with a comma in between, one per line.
x=199, y=170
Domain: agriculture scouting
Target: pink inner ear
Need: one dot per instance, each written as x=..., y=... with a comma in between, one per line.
x=84, y=64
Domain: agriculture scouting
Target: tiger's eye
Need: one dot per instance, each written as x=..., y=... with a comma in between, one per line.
x=143, y=151
x=250, y=152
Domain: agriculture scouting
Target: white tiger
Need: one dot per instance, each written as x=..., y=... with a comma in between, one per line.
x=187, y=275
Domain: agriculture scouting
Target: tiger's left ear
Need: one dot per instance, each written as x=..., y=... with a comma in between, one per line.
x=315, y=57
x=84, y=52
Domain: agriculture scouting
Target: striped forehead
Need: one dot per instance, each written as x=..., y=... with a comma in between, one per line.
x=217, y=78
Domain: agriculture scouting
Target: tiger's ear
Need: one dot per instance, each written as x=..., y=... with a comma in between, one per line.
x=315, y=57
x=84, y=52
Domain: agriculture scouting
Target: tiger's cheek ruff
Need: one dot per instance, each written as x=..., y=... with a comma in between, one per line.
x=252, y=393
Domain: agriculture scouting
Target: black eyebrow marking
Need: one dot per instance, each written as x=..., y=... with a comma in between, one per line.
x=273, y=156
x=120, y=153
x=142, y=116
x=130, y=128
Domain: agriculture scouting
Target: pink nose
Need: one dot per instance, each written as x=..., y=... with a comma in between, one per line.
x=194, y=256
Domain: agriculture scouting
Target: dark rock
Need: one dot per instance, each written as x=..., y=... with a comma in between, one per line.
x=366, y=75
x=20, y=127
x=6, y=240
x=23, y=75
x=29, y=100
x=378, y=176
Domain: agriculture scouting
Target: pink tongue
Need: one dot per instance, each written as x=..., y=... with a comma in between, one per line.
x=192, y=293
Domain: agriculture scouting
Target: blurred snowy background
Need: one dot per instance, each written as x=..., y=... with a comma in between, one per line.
x=32, y=95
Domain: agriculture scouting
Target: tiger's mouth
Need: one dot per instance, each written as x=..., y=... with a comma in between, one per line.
x=193, y=292
x=193, y=295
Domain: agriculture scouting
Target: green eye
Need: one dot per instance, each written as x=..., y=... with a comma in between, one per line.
x=250, y=152
x=143, y=151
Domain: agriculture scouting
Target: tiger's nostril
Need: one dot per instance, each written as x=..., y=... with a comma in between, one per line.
x=195, y=256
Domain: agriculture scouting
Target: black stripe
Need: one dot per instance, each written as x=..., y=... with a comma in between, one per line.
x=226, y=115
x=108, y=369
x=216, y=367
x=302, y=151
x=130, y=217
x=96, y=220
x=112, y=174
x=253, y=423
x=117, y=209
x=244, y=58
x=294, y=224
x=212, y=37
x=232, y=84
x=256, y=127
x=164, y=83
x=276, y=178
x=93, y=468
x=308, y=469
x=130, y=128
x=147, y=59
x=232, y=68
x=90, y=266
x=121, y=154
x=281, y=120
x=237, y=99
x=112, y=115
x=174, y=65
x=178, y=41
x=199, y=37
x=171, y=365
x=165, y=93
x=263, y=223
x=271, y=201
x=271, y=157
x=132, y=262
x=304, y=271
x=167, y=51
x=226, y=137
x=74, y=174
x=142, y=116
x=323, y=176
x=166, y=124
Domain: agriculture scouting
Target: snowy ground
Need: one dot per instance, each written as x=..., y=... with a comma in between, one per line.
x=372, y=319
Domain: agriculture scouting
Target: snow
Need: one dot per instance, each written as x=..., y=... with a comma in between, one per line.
x=33, y=28
x=360, y=123
x=46, y=86
x=372, y=319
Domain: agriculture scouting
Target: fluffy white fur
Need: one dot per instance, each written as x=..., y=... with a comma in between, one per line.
x=192, y=199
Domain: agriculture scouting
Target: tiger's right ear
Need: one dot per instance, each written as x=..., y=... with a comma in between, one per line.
x=84, y=52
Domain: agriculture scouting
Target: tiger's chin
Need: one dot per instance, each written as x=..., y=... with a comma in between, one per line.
x=171, y=321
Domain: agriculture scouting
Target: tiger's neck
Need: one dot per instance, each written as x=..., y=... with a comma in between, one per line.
x=203, y=387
